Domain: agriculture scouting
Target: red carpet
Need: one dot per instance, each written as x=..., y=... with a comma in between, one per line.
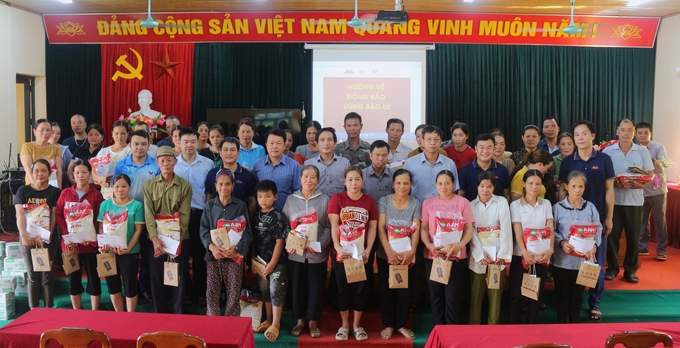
x=372, y=324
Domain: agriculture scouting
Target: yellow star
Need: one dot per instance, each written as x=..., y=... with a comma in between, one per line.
x=166, y=66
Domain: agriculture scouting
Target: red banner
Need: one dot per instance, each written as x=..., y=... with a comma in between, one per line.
x=167, y=71
x=422, y=27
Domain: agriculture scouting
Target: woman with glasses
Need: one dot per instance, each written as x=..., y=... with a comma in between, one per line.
x=244, y=180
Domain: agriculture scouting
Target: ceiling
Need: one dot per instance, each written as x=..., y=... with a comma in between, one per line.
x=653, y=8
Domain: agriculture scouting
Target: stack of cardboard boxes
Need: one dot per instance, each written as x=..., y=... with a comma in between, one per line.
x=12, y=279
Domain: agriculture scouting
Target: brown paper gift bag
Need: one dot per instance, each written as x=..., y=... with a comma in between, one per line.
x=531, y=284
x=106, y=264
x=71, y=261
x=171, y=272
x=296, y=241
x=220, y=237
x=398, y=277
x=441, y=271
x=258, y=267
x=354, y=270
x=493, y=277
x=41, y=259
x=588, y=274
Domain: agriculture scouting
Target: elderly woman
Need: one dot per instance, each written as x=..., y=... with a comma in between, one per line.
x=307, y=273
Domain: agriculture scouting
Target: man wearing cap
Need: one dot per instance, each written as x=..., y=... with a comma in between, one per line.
x=167, y=194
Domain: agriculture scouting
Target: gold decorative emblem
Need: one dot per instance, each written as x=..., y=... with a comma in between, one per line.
x=627, y=31
x=71, y=29
x=133, y=72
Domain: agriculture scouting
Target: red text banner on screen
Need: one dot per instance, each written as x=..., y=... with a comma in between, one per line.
x=330, y=27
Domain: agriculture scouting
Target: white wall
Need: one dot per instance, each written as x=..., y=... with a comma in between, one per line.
x=22, y=51
x=667, y=92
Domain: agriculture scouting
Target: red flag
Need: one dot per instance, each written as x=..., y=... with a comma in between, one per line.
x=130, y=68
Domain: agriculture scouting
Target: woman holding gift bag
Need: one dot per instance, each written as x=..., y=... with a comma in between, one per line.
x=224, y=265
x=39, y=192
x=354, y=217
x=80, y=192
x=114, y=153
x=576, y=221
x=443, y=214
x=307, y=273
x=95, y=142
x=532, y=224
x=122, y=210
x=398, y=230
x=491, y=244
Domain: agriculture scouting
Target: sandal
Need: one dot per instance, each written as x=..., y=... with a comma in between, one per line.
x=296, y=330
x=342, y=335
x=386, y=333
x=263, y=327
x=314, y=332
x=272, y=333
x=360, y=334
x=595, y=314
x=407, y=333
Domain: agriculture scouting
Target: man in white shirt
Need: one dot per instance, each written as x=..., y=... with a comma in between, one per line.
x=398, y=152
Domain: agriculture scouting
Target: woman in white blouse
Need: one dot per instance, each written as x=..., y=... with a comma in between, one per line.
x=530, y=214
x=491, y=244
x=116, y=152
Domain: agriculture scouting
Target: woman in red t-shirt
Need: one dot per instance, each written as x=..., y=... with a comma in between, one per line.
x=459, y=151
x=354, y=217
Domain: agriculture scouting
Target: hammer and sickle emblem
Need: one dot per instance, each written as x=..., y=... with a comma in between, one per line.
x=132, y=71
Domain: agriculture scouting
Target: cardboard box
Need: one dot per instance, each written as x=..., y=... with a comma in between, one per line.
x=13, y=250
x=7, y=306
x=8, y=284
x=3, y=244
x=6, y=299
x=20, y=290
x=15, y=265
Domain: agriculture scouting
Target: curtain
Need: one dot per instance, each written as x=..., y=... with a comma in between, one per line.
x=72, y=77
x=252, y=75
x=170, y=96
x=509, y=87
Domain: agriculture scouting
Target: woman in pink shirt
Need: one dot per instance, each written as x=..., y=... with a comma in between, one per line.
x=443, y=214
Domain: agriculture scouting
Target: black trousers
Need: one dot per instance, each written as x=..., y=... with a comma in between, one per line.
x=628, y=220
x=568, y=295
x=305, y=283
x=516, y=299
x=127, y=275
x=394, y=303
x=160, y=291
x=197, y=253
x=445, y=300
x=88, y=262
x=345, y=290
x=145, y=254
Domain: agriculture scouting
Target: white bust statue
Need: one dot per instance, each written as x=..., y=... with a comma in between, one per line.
x=144, y=99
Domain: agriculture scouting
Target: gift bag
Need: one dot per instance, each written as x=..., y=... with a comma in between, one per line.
x=106, y=264
x=234, y=230
x=354, y=270
x=80, y=219
x=531, y=284
x=251, y=307
x=441, y=271
x=171, y=272
x=584, y=234
x=258, y=266
x=41, y=259
x=115, y=227
x=296, y=241
x=220, y=237
x=398, y=277
x=588, y=274
x=169, y=226
x=37, y=215
x=450, y=224
x=493, y=277
x=71, y=261
x=306, y=223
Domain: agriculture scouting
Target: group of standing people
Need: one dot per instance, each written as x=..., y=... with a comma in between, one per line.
x=450, y=210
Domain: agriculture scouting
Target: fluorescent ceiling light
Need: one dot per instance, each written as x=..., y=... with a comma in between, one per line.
x=468, y=0
x=66, y=1
x=632, y=3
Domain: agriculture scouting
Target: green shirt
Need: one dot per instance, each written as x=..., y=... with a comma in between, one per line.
x=135, y=216
x=160, y=198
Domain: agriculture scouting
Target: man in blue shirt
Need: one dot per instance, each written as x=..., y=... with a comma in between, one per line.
x=599, y=191
x=140, y=167
x=194, y=169
x=378, y=176
x=282, y=170
x=250, y=152
x=628, y=201
x=550, y=132
x=331, y=166
x=424, y=167
x=484, y=162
